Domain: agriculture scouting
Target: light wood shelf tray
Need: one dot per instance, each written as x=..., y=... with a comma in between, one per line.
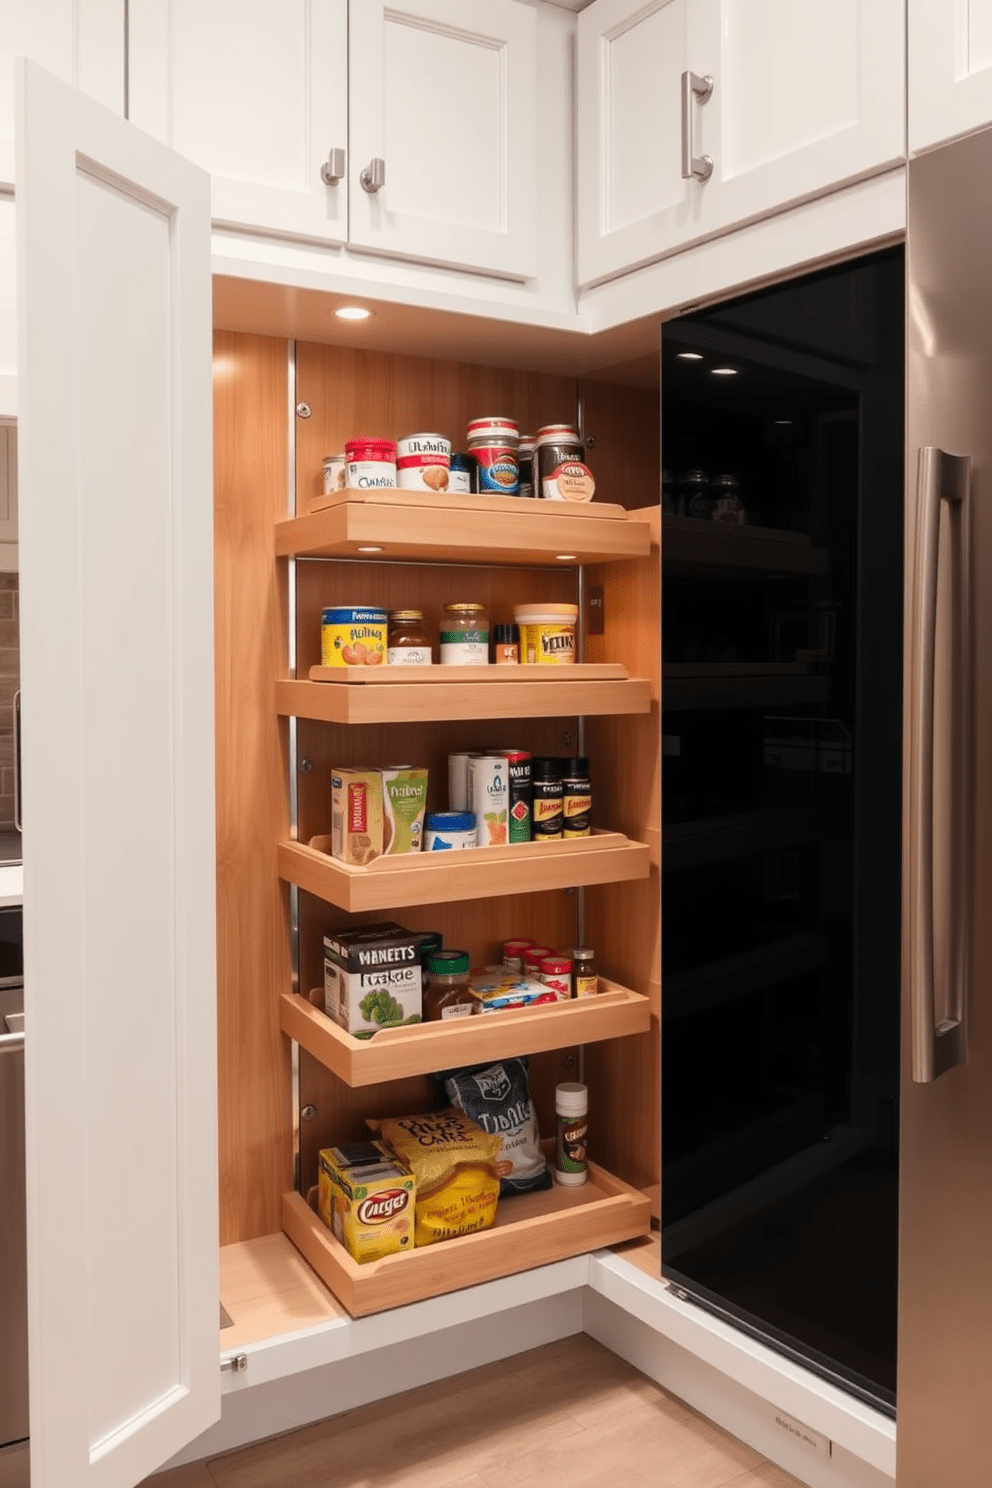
x=410, y=694
x=475, y=873
x=531, y=1229
x=447, y=528
x=424, y=1047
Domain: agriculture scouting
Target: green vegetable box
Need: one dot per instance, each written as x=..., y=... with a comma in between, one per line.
x=372, y=978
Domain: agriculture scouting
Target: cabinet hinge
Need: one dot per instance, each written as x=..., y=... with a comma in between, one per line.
x=234, y=1364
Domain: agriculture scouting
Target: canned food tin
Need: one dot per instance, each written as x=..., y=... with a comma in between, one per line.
x=353, y=635
x=494, y=443
x=422, y=462
x=370, y=462
x=335, y=473
x=547, y=634
x=556, y=973
x=490, y=799
x=513, y=954
x=559, y=471
x=449, y=829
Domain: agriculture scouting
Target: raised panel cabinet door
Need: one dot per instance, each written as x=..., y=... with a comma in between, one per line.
x=256, y=92
x=116, y=590
x=950, y=69
x=812, y=97
x=806, y=96
x=633, y=204
x=443, y=97
x=81, y=41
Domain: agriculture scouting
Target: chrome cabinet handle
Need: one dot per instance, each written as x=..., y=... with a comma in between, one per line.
x=698, y=166
x=332, y=169
x=938, y=1045
x=373, y=177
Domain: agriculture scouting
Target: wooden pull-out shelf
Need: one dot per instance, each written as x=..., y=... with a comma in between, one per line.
x=474, y=873
x=417, y=694
x=531, y=1229
x=396, y=524
x=422, y=1048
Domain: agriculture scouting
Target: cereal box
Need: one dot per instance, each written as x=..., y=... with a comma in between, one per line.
x=356, y=815
x=404, y=797
x=372, y=978
x=369, y=1206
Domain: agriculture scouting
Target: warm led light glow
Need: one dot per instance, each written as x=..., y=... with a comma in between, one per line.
x=370, y=550
x=783, y=421
x=690, y=356
x=723, y=371
x=352, y=312
x=566, y=557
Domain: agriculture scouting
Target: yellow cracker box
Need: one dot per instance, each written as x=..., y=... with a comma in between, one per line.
x=356, y=815
x=453, y=1161
x=369, y=1205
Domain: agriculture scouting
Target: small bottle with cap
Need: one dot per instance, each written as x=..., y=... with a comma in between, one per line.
x=448, y=993
x=506, y=645
x=571, y=1133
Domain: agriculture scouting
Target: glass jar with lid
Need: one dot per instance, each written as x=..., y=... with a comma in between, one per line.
x=448, y=993
x=694, y=494
x=464, y=635
x=409, y=639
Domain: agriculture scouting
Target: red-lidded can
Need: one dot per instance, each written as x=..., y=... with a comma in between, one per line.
x=370, y=462
x=495, y=445
x=533, y=956
x=556, y=973
x=513, y=954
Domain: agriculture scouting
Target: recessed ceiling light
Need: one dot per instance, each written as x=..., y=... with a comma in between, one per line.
x=352, y=312
x=566, y=557
x=370, y=550
x=783, y=421
x=690, y=356
x=723, y=371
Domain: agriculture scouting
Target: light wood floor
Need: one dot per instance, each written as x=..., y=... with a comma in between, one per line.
x=568, y=1415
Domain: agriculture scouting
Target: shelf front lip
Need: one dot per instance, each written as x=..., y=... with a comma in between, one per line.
x=477, y=873
x=617, y=1212
x=425, y=1047
x=445, y=535
x=441, y=699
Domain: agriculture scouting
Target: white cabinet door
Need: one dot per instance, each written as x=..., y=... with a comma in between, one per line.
x=114, y=449
x=950, y=69
x=79, y=40
x=255, y=91
x=8, y=310
x=443, y=93
x=806, y=96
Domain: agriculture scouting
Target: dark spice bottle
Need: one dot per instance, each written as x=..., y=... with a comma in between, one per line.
x=576, y=798
x=547, y=799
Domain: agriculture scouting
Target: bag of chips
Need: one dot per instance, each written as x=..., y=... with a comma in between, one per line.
x=497, y=1096
x=452, y=1159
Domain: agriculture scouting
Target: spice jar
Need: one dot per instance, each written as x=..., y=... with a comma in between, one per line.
x=506, y=645
x=727, y=505
x=448, y=993
x=461, y=474
x=513, y=954
x=576, y=802
x=585, y=981
x=464, y=635
x=556, y=973
x=409, y=639
x=694, y=495
x=571, y=1133
x=525, y=485
x=532, y=958
x=547, y=799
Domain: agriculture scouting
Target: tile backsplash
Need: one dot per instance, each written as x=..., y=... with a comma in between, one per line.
x=10, y=681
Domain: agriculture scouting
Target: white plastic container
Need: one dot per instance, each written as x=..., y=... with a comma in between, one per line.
x=489, y=798
x=571, y=1134
x=547, y=633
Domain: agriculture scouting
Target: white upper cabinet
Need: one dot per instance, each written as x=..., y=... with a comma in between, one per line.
x=276, y=97
x=81, y=41
x=256, y=92
x=950, y=69
x=806, y=96
x=443, y=93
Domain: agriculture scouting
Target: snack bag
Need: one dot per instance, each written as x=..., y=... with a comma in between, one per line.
x=404, y=797
x=497, y=1096
x=451, y=1158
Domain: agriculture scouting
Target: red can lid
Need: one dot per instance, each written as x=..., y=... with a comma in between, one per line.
x=556, y=965
x=511, y=947
x=534, y=954
x=370, y=449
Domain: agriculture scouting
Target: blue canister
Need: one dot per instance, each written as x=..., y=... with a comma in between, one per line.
x=448, y=829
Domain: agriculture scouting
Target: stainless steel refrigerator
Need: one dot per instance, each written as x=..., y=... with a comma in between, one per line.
x=827, y=1087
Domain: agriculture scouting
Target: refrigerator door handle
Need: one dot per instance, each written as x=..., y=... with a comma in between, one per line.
x=938, y=1043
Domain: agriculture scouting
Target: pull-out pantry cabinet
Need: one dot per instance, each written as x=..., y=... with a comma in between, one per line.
x=283, y=1065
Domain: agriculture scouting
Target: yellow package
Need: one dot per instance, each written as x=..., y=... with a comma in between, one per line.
x=452, y=1159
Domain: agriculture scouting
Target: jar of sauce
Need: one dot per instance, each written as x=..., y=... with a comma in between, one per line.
x=409, y=639
x=694, y=495
x=464, y=635
x=448, y=994
x=585, y=979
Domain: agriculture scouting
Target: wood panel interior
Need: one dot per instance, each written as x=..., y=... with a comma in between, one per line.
x=358, y=393
x=253, y=965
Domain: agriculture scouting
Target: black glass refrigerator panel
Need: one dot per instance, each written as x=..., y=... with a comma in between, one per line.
x=782, y=455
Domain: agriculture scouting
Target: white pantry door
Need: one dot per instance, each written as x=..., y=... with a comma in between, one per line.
x=950, y=69
x=444, y=94
x=114, y=441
